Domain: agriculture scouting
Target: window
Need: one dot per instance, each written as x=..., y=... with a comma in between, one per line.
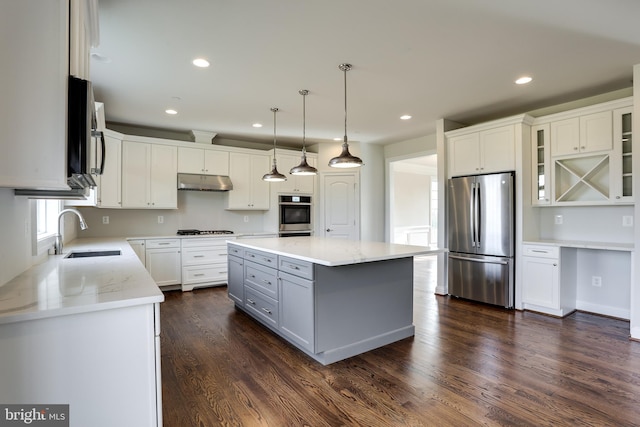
x=46, y=224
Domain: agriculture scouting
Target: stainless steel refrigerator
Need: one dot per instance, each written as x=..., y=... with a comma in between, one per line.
x=481, y=238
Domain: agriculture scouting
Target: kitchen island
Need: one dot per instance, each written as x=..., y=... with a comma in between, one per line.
x=331, y=298
x=84, y=331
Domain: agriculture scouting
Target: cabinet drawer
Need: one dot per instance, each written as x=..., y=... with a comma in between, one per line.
x=205, y=273
x=234, y=250
x=261, y=306
x=163, y=243
x=261, y=278
x=264, y=258
x=194, y=256
x=541, y=251
x=296, y=267
x=205, y=242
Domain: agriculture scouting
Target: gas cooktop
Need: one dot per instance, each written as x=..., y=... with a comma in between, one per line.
x=194, y=232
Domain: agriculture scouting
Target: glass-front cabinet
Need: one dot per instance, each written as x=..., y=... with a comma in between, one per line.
x=540, y=167
x=623, y=143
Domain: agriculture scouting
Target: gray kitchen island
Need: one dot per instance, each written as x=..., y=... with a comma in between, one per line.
x=331, y=298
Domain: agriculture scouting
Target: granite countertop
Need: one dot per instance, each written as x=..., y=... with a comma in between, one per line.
x=60, y=286
x=610, y=246
x=334, y=252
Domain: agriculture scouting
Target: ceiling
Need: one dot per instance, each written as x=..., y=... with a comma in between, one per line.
x=431, y=59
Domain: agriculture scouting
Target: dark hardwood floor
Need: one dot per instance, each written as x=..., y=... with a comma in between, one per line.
x=468, y=364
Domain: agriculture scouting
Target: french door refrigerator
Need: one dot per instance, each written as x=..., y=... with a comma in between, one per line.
x=481, y=238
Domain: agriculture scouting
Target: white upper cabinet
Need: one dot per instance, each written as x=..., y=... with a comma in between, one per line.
x=149, y=175
x=249, y=192
x=584, y=134
x=110, y=182
x=485, y=151
x=203, y=161
x=294, y=183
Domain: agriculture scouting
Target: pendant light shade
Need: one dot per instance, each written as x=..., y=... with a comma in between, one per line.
x=303, y=168
x=345, y=159
x=274, y=175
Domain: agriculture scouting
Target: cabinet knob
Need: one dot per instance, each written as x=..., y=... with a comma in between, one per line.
x=328, y=230
x=582, y=148
x=575, y=148
x=617, y=197
x=555, y=265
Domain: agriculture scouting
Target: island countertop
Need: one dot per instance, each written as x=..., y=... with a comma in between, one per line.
x=60, y=286
x=334, y=252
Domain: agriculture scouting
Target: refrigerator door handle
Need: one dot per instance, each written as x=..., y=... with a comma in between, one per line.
x=478, y=213
x=472, y=218
x=486, y=261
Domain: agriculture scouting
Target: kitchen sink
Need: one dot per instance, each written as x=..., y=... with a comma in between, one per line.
x=89, y=254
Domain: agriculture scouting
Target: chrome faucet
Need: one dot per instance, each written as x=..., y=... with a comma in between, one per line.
x=83, y=226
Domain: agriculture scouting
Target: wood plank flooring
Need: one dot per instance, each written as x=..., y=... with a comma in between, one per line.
x=468, y=364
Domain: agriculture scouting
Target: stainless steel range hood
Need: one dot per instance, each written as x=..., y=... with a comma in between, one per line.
x=195, y=182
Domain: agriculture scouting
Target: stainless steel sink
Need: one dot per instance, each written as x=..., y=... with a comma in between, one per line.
x=89, y=254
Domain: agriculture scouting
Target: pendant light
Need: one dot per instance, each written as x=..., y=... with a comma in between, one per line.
x=274, y=175
x=303, y=168
x=345, y=159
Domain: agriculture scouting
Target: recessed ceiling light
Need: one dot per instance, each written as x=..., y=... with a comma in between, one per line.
x=405, y=117
x=523, y=80
x=171, y=112
x=201, y=62
x=257, y=125
x=338, y=138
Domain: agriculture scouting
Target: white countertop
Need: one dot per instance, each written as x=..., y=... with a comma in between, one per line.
x=334, y=252
x=60, y=286
x=610, y=246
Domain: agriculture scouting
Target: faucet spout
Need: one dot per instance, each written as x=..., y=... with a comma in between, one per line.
x=83, y=226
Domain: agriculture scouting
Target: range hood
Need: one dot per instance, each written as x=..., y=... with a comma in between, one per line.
x=195, y=182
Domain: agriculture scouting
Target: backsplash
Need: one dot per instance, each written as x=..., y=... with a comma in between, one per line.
x=590, y=223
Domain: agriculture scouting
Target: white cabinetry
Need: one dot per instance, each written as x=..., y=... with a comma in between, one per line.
x=34, y=70
x=584, y=134
x=486, y=151
x=621, y=165
x=541, y=161
x=110, y=182
x=162, y=258
x=249, y=192
x=203, y=161
x=543, y=289
x=149, y=175
x=138, y=247
x=294, y=183
x=204, y=262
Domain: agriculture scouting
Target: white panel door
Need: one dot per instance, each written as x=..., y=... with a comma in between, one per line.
x=340, y=207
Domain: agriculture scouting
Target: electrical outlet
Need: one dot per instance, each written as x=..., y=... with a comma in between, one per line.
x=627, y=221
x=558, y=219
x=596, y=281
x=105, y=220
x=246, y=218
x=160, y=219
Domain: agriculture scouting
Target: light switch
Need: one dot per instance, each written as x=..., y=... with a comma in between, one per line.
x=558, y=219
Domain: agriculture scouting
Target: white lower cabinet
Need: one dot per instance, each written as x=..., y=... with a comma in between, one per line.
x=204, y=262
x=162, y=258
x=543, y=290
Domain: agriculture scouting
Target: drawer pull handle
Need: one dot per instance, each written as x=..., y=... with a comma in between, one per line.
x=198, y=275
x=539, y=251
x=250, y=301
x=266, y=281
x=267, y=259
x=164, y=243
x=294, y=267
x=198, y=256
x=266, y=310
x=253, y=276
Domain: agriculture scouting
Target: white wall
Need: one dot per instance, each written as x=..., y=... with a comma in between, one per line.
x=15, y=229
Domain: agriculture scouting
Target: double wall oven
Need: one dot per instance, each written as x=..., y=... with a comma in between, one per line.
x=295, y=216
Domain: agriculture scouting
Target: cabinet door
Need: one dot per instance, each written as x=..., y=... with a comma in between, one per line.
x=163, y=170
x=136, y=161
x=216, y=162
x=565, y=137
x=110, y=182
x=621, y=159
x=306, y=184
x=235, y=281
x=498, y=150
x=164, y=266
x=541, y=282
x=297, y=310
x=259, y=188
x=596, y=132
x=541, y=164
x=464, y=155
x=190, y=160
x=285, y=162
x=139, y=248
x=241, y=175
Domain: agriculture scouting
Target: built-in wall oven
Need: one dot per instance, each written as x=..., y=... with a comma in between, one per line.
x=295, y=216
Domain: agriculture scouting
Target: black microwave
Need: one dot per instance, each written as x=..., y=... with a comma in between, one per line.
x=81, y=129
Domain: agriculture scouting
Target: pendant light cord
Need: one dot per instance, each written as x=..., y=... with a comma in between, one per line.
x=304, y=93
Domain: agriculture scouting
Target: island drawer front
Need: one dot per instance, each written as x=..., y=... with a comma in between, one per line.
x=204, y=242
x=264, y=258
x=541, y=251
x=296, y=267
x=261, y=278
x=213, y=255
x=162, y=243
x=201, y=274
x=234, y=250
x=261, y=306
